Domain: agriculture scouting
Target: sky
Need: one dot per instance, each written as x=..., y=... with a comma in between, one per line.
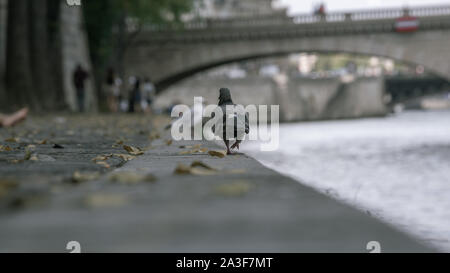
x=306, y=6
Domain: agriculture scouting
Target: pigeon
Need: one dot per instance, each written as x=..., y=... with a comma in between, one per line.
x=237, y=121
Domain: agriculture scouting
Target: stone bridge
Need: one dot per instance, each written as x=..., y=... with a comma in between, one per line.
x=169, y=54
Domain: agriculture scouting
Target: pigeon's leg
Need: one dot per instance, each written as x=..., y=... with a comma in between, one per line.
x=236, y=144
x=227, y=143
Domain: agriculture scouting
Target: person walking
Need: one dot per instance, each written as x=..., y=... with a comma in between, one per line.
x=112, y=86
x=79, y=78
x=148, y=94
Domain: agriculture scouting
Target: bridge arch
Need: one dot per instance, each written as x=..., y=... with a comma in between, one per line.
x=171, y=55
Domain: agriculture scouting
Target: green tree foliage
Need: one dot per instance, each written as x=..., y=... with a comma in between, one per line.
x=106, y=23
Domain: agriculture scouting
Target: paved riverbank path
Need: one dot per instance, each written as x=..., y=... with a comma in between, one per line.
x=178, y=198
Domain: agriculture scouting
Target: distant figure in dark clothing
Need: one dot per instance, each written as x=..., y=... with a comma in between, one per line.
x=112, y=87
x=135, y=96
x=79, y=78
x=236, y=123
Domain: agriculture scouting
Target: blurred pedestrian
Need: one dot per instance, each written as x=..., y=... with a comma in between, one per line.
x=135, y=96
x=148, y=94
x=112, y=86
x=13, y=119
x=79, y=78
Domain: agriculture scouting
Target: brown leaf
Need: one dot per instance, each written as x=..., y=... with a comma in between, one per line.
x=182, y=169
x=103, y=164
x=41, y=142
x=202, y=171
x=125, y=157
x=196, y=168
x=12, y=140
x=133, y=150
x=220, y=154
x=169, y=142
x=102, y=157
x=203, y=165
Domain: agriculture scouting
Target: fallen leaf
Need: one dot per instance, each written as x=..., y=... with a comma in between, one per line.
x=237, y=188
x=41, y=142
x=203, y=165
x=103, y=164
x=12, y=140
x=125, y=157
x=202, y=171
x=196, y=168
x=133, y=150
x=79, y=177
x=129, y=178
x=105, y=200
x=220, y=154
x=102, y=157
x=169, y=142
x=182, y=169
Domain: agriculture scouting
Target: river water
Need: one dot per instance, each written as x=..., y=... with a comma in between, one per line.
x=395, y=168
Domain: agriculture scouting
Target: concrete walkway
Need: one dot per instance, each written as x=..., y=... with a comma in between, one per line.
x=243, y=207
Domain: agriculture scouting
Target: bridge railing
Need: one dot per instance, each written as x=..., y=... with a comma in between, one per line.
x=333, y=17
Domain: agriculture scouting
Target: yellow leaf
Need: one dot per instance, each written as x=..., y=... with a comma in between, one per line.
x=125, y=157
x=201, y=164
x=102, y=157
x=12, y=139
x=133, y=150
x=182, y=169
x=220, y=154
x=41, y=142
x=103, y=164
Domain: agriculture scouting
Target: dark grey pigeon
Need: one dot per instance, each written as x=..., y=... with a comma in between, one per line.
x=224, y=100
